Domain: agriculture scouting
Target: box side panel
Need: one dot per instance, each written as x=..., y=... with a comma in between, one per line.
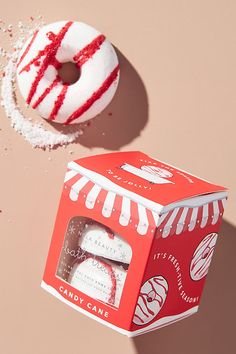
x=175, y=276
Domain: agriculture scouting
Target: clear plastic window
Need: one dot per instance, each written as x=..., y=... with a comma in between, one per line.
x=95, y=260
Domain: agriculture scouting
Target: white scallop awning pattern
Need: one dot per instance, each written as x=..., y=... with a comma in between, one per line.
x=127, y=211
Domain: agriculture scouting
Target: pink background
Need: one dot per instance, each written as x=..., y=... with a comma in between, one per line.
x=176, y=101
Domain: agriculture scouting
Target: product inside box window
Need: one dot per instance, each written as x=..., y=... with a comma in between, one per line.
x=133, y=241
x=94, y=260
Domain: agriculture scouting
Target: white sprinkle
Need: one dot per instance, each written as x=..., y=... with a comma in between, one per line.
x=80, y=132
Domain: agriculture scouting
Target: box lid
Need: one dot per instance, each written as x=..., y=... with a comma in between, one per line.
x=138, y=174
x=145, y=192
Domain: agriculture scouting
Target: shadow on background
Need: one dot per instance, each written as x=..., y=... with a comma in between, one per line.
x=123, y=120
x=212, y=329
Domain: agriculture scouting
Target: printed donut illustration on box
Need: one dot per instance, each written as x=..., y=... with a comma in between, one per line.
x=133, y=238
x=157, y=171
x=151, y=174
x=202, y=256
x=151, y=299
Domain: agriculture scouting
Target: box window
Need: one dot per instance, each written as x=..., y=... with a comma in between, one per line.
x=94, y=260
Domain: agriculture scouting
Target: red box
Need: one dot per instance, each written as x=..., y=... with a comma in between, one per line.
x=133, y=241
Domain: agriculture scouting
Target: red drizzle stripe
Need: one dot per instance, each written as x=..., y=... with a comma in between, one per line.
x=50, y=52
x=112, y=275
x=87, y=52
x=139, y=318
x=34, y=61
x=56, y=63
x=95, y=96
x=59, y=102
x=27, y=48
x=46, y=92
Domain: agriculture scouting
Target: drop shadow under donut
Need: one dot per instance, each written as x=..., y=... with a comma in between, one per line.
x=123, y=120
x=211, y=330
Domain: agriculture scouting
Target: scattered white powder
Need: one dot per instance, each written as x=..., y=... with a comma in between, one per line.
x=80, y=132
x=37, y=135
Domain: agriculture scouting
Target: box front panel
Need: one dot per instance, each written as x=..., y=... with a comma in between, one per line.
x=94, y=262
x=175, y=275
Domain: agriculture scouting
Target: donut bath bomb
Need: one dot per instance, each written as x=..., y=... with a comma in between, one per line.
x=99, y=279
x=103, y=242
x=43, y=55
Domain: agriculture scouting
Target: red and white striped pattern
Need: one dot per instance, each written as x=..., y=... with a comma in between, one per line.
x=185, y=218
x=109, y=203
x=127, y=211
x=43, y=55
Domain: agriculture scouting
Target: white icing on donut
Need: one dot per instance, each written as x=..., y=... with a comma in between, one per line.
x=101, y=241
x=151, y=299
x=99, y=279
x=202, y=257
x=42, y=56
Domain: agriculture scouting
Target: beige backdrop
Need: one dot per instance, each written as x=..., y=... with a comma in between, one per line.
x=176, y=101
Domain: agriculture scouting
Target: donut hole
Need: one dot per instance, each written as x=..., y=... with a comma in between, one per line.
x=69, y=73
x=206, y=253
x=151, y=296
